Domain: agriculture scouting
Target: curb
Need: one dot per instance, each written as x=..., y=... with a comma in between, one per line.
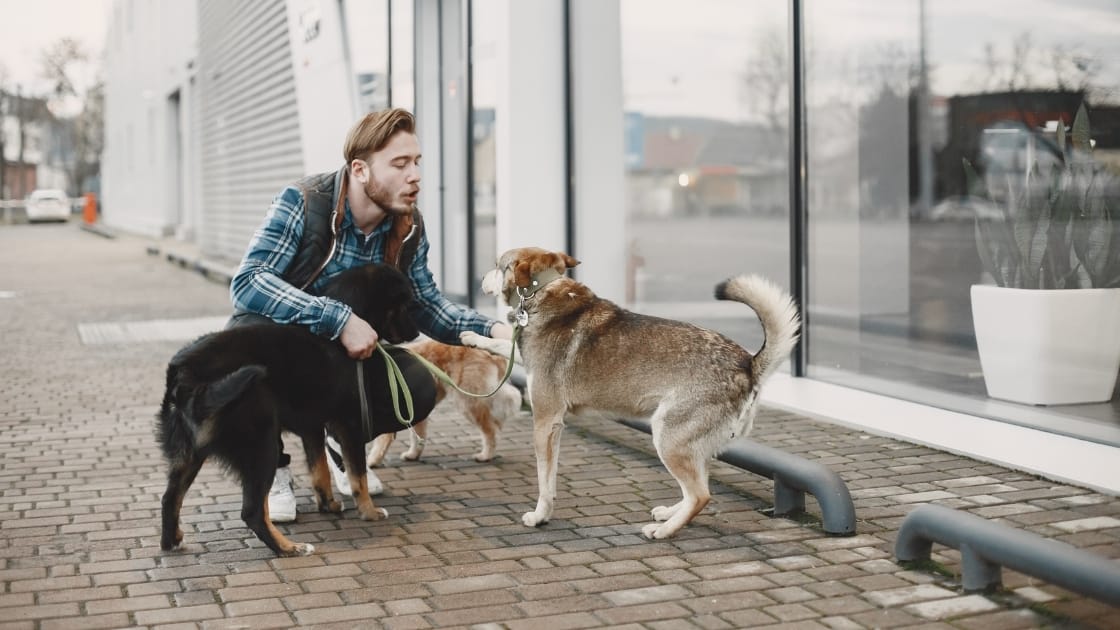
x=210, y=269
x=98, y=229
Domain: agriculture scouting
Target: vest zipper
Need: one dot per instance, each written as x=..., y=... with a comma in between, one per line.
x=411, y=232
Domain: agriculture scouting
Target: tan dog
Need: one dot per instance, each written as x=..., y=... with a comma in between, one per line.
x=584, y=353
x=475, y=371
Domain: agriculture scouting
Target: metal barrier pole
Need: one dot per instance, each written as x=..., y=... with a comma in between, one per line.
x=985, y=546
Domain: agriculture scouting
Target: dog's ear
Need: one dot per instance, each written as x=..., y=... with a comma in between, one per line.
x=569, y=262
x=522, y=273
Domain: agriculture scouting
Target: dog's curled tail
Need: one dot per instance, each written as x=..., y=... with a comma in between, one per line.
x=776, y=310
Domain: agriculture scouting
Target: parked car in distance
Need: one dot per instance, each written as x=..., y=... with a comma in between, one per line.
x=48, y=204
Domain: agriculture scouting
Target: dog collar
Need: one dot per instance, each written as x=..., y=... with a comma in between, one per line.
x=537, y=282
x=524, y=294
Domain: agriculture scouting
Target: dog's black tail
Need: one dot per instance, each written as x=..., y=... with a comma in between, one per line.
x=776, y=310
x=229, y=388
x=188, y=406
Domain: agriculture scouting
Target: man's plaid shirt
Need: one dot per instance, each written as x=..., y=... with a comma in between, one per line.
x=258, y=288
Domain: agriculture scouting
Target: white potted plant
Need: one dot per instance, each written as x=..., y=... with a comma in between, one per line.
x=1048, y=330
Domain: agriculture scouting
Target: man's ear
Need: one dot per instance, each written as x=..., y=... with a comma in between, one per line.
x=361, y=170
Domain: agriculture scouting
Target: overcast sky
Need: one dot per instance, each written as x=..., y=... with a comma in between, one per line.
x=27, y=27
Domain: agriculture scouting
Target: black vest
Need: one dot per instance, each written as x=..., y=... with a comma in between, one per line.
x=321, y=203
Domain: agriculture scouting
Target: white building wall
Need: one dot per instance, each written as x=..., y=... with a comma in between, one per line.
x=323, y=86
x=598, y=174
x=250, y=143
x=530, y=132
x=149, y=53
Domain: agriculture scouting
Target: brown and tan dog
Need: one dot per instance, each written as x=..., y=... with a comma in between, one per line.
x=473, y=370
x=584, y=353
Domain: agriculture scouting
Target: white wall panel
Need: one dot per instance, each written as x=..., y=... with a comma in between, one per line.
x=250, y=139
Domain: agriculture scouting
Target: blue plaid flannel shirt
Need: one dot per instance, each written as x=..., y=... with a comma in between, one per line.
x=258, y=287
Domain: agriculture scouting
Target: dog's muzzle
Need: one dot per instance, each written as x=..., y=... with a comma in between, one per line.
x=492, y=282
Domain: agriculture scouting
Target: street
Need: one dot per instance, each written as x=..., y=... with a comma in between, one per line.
x=82, y=476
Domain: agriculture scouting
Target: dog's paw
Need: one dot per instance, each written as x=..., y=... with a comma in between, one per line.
x=659, y=530
x=533, y=519
x=411, y=455
x=376, y=514
x=333, y=507
x=470, y=338
x=298, y=549
x=483, y=457
x=663, y=513
x=171, y=541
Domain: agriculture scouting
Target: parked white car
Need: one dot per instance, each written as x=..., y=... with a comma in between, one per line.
x=48, y=204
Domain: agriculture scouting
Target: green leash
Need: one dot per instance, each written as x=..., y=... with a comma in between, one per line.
x=398, y=387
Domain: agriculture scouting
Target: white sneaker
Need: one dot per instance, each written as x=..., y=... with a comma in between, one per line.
x=342, y=480
x=281, y=499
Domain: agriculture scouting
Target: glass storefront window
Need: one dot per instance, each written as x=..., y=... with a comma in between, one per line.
x=367, y=39
x=898, y=96
x=705, y=92
x=402, y=59
x=484, y=185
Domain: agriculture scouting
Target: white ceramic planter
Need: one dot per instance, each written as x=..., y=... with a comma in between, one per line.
x=1051, y=347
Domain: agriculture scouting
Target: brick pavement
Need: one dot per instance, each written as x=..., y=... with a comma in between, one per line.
x=81, y=479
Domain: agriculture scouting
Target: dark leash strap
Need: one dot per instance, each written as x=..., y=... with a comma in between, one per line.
x=367, y=421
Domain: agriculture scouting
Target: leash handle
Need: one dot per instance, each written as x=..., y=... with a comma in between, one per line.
x=397, y=387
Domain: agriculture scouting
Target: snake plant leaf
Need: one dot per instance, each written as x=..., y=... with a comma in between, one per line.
x=1060, y=223
x=985, y=242
x=1080, y=131
x=1061, y=136
x=1029, y=223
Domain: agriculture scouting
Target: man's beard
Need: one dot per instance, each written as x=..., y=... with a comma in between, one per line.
x=379, y=195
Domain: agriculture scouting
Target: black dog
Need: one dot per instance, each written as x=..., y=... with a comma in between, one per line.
x=230, y=394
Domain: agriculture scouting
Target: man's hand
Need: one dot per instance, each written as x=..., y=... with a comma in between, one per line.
x=358, y=337
x=501, y=331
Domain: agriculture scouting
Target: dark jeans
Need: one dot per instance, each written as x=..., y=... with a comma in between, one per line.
x=420, y=383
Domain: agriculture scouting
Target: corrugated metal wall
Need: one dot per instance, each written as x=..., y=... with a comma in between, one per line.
x=250, y=139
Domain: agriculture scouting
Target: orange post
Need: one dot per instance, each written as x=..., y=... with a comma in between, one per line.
x=89, y=211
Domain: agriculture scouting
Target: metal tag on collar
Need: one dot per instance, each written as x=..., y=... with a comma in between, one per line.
x=522, y=317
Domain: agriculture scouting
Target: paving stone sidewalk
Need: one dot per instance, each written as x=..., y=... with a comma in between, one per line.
x=81, y=478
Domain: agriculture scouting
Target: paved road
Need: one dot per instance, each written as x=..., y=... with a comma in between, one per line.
x=81, y=479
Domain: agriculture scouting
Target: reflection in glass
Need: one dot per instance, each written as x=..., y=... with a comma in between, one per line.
x=706, y=115
x=899, y=97
x=367, y=37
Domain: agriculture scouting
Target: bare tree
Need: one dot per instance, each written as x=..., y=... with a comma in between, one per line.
x=83, y=131
x=1025, y=66
x=764, y=84
x=87, y=137
x=57, y=64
